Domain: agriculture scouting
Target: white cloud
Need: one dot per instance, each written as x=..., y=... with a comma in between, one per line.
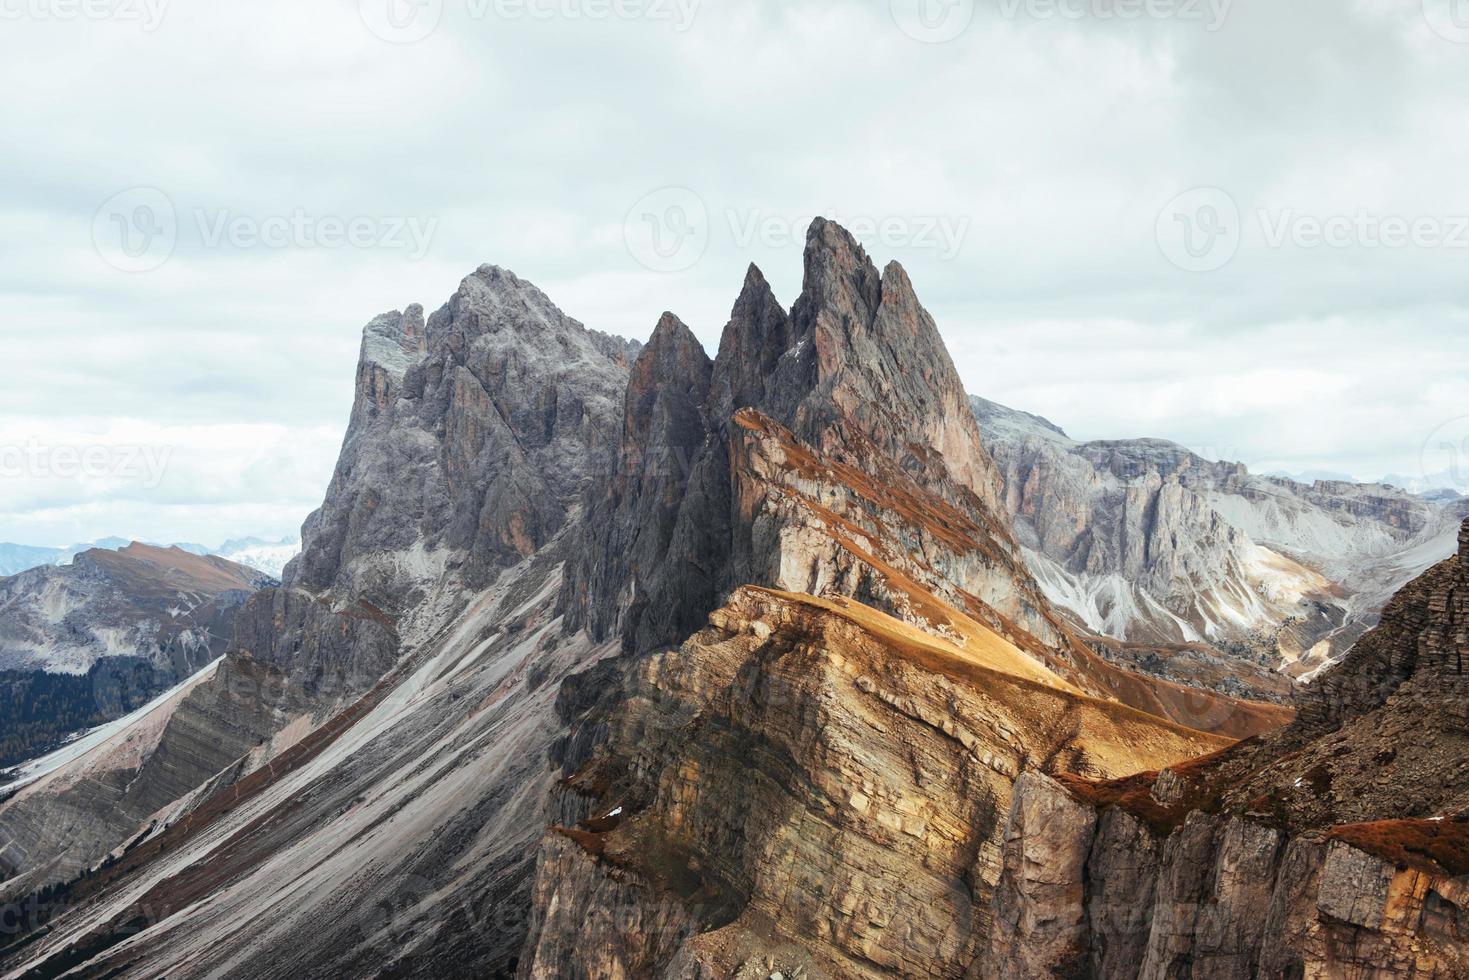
x=1054, y=143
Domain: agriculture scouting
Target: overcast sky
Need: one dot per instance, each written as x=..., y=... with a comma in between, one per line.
x=1242, y=226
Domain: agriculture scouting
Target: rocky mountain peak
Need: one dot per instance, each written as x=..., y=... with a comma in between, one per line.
x=663, y=413
x=1464, y=543
x=394, y=340
x=838, y=278
x=882, y=367
x=673, y=355
x=753, y=349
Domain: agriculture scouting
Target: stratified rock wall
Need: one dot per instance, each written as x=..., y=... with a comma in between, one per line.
x=1335, y=848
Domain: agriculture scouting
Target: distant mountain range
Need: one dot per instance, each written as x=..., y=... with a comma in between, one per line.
x=87, y=641
x=604, y=659
x=261, y=554
x=1145, y=542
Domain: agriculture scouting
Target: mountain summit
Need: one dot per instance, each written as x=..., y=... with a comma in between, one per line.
x=604, y=659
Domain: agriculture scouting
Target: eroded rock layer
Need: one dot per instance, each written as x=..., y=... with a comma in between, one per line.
x=1338, y=847
x=608, y=661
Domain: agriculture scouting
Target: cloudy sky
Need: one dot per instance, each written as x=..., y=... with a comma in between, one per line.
x=1243, y=226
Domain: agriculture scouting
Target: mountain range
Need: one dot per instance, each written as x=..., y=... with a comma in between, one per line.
x=608, y=659
x=1145, y=542
x=84, y=643
x=260, y=554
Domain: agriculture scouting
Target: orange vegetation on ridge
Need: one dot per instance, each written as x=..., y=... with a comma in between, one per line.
x=979, y=657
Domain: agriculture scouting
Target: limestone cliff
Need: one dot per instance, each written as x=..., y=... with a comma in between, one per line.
x=471, y=439
x=1338, y=846
x=613, y=661
x=1147, y=543
x=814, y=783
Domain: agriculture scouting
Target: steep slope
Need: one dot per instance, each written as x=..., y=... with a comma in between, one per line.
x=156, y=604
x=808, y=785
x=746, y=604
x=815, y=780
x=1350, y=828
x=88, y=642
x=1148, y=543
x=471, y=437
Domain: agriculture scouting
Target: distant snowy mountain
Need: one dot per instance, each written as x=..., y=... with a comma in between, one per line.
x=269, y=557
x=1146, y=542
x=1434, y=486
x=261, y=554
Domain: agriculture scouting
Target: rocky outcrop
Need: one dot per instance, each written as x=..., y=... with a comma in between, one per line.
x=817, y=780
x=1336, y=847
x=1148, y=543
x=784, y=690
x=856, y=371
x=485, y=423
x=472, y=436
x=809, y=780
x=170, y=608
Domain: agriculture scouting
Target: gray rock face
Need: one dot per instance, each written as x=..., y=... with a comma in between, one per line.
x=1147, y=542
x=661, y=493
x=471, y=439
x=1332, y=848
x=170, y=608
x=856, y=370
x=471, y=435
